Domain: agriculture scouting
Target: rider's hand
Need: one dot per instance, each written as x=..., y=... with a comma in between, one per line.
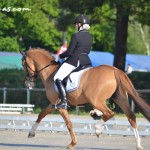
x=57, y=58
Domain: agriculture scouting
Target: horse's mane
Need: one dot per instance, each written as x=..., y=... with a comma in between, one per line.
x=43, y=51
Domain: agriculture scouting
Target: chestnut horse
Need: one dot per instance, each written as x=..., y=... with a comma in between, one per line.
x=97, y=85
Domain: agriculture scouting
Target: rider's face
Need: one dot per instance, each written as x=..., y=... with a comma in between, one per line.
x=77, y=25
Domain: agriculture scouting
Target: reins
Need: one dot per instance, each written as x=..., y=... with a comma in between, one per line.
x=36, y=72
x=53, y=62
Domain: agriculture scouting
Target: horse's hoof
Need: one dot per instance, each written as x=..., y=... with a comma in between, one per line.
x=98, y=134
x=98, y=130
x=140, y=148
x=31, y=135
x=70, y=147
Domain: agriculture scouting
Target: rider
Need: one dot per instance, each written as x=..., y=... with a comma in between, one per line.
x=77, y=53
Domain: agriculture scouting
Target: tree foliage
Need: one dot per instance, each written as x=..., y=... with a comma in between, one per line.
x=140, y=44
x=125, y=9
x=44, y=22
x=34, y=27
x=101, y=17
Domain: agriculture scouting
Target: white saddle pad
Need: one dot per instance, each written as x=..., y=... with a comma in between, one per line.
x=74, y=80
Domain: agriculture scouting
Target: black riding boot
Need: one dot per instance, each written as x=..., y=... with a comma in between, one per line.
x=62, y=94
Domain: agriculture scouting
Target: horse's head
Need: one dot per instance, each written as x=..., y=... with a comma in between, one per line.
x=30, y=62
x=29, y=68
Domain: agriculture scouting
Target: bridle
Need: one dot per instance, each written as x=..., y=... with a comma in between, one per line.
x=32, y=76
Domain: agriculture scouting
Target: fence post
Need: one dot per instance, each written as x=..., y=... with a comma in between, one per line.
x=28, y=96
x=78, y=109
x=4, y=94
x=132, y=106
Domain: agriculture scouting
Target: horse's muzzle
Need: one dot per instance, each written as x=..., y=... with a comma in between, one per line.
x=29, y=83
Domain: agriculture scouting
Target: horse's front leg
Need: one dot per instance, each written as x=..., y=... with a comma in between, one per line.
x=46, y=111
x=67, y=120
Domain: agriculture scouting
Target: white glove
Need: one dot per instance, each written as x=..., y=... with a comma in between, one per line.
x=56, y=57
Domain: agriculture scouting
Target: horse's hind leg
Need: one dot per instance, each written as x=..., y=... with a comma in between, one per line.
x=46, y=111
x=65, y=115
x=107, y=114
x=122, y=102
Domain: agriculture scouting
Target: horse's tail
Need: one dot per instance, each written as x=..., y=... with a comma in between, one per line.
x=125, y=84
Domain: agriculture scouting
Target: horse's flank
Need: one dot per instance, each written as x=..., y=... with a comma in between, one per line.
x=92, y=84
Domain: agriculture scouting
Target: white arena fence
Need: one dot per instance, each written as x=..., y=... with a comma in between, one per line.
x=80, y=126
x=5, y=92
x=16, y=108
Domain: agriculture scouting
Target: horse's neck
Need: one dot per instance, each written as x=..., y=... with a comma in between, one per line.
x=47, y=74
x=47, y=79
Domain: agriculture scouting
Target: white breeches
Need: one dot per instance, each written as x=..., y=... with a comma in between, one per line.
x=63, y=71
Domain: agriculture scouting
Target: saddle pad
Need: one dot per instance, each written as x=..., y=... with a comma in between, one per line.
x=74, y=80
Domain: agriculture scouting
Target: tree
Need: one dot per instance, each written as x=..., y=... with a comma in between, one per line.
x=142, y=21
x=95, y=9
x=140, y=44
x=8, y=42
x=145, y=33
x=122, y=18
x=42, y=25
x=101, y=17
x=33, y=27
x=124, y=10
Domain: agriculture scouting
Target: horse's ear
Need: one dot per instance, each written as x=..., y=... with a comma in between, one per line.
x=22, y=52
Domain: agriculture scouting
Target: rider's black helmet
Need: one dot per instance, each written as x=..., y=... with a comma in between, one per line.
x=83, y=19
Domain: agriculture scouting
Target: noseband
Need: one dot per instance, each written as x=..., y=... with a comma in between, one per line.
x=31, y=76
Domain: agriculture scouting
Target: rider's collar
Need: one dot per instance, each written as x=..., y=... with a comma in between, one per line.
x=82, y=30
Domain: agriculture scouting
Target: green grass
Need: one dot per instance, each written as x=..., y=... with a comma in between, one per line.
x=83, y=113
